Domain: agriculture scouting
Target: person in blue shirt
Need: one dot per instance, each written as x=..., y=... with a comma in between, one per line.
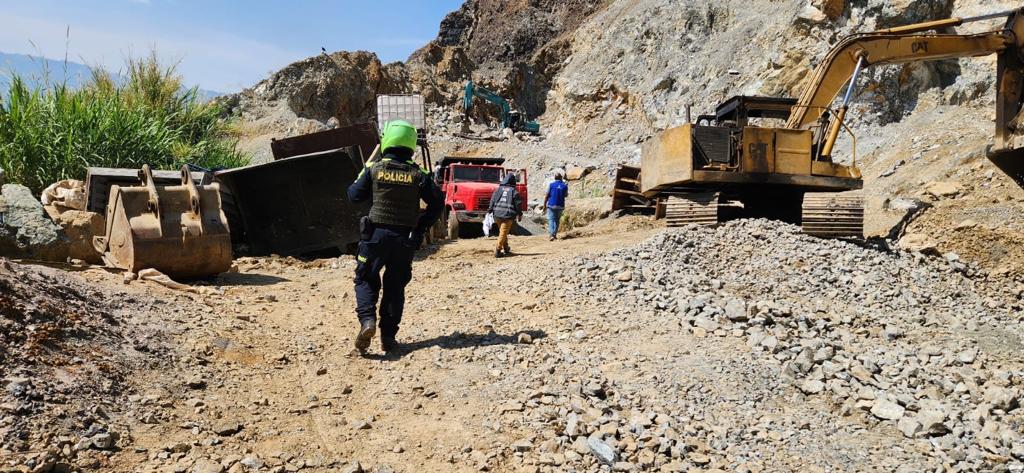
x=554, y=203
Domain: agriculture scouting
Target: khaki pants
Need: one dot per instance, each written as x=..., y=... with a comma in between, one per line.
x=504, y=227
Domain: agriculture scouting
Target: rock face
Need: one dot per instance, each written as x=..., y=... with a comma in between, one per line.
x=25, y=229
x=314, y=94
x=512, y=46
x=611, y=73
x=636, y=65
x=498, y=43
x=341, y=85
x=511, y=30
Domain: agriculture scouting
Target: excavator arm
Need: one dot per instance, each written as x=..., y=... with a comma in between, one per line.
x=475, y=91
x=911, y=44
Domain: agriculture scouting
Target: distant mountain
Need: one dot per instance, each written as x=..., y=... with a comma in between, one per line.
x=38, y=71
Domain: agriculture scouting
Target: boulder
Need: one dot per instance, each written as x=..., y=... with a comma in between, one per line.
x=812, y=14
x=886, y=409
x=79, y=228
x=943, y=189
x=576, y=173
x=25, y=229
x=833, y=9
x=919, y=242
x=898, y=213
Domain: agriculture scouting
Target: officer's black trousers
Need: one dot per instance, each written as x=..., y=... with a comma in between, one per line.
x=389, y=251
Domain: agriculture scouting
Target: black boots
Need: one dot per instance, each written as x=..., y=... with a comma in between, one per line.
x=498, y=254
x=388, y=343
x=367, y=330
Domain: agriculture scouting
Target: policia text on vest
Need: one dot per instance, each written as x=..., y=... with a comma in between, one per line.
x=393, y=231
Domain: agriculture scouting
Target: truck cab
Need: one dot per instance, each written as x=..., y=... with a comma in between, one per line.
x=467, y=184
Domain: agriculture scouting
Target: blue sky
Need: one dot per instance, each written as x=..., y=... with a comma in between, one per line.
x=222, y=45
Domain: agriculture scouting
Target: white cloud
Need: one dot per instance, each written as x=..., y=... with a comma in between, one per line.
x=212, y=59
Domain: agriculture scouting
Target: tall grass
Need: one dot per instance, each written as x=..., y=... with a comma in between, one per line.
x=54, y=132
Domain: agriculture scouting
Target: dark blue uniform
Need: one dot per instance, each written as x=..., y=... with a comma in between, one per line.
x=395, y=186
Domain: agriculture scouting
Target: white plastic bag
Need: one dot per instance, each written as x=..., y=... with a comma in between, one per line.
x=488, y=223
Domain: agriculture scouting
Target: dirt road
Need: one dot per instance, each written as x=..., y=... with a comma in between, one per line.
x=271, y=360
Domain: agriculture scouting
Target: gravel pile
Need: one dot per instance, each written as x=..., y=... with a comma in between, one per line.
x=863, y=340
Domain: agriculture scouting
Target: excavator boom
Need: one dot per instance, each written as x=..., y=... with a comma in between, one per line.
x=878, y=49
x=911, y=43
x=895, y=46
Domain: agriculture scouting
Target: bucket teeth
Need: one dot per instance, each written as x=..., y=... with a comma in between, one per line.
x=700, y=208
x=833, y=215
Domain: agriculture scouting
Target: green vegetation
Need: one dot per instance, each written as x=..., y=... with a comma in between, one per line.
x=55, y=132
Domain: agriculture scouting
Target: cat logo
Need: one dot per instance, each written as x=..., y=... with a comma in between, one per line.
x=919, y=46
x=395, y=177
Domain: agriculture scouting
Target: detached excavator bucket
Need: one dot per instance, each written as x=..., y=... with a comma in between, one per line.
x=178, y=230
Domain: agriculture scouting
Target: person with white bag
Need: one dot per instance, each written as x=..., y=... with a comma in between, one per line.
x=488, y=223
x=507, y=207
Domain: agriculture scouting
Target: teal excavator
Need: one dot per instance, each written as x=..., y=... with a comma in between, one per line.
x=512, y=119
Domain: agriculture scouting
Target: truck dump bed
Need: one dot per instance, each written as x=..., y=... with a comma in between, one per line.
x=297, y=205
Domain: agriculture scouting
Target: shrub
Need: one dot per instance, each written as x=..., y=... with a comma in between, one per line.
x=54, y=132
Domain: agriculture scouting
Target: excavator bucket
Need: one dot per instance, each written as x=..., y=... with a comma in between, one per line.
x=178, y=230
x=1011, y=162
x=1007, y=153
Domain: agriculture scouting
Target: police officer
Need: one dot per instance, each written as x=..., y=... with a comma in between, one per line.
x=393, y=231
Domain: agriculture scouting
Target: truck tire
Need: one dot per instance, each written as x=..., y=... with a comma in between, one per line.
x=453, y=226
x=437, y=231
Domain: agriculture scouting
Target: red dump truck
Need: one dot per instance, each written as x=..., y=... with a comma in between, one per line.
x=467, y=184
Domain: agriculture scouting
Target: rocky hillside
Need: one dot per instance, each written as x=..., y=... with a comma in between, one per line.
x=512, y=46
x=634, y=65
x=603, y=76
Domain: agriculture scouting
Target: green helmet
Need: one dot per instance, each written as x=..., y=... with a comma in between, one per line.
x=398, y=134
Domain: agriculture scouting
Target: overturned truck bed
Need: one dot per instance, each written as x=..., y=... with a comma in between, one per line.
x=297, y=205
x=294, y=206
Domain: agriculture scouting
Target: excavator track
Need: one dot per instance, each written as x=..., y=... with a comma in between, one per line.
x=833, y=215
x=700, y=208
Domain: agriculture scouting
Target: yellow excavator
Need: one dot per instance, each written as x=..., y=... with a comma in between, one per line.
x=699, y=173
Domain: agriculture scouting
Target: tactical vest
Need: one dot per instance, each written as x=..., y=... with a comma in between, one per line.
x=396, y=193
x=504, y=206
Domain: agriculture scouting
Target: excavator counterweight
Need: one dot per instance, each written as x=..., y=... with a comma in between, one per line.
x=789, y=171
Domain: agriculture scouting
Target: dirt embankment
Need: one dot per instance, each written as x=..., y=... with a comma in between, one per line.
x=70, y=352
